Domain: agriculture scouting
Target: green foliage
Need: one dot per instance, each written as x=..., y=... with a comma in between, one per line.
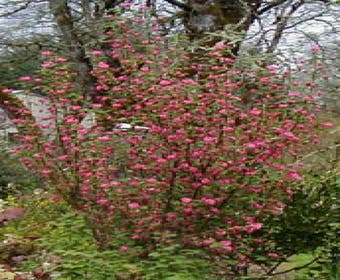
x=64, y=246
x=313, y=203
x=310, y=225
x=14, y=177
x=327, y=266
x=79, y=258
x=61, y=243
x=18, y=62
x=176, y=264
x=71, y=245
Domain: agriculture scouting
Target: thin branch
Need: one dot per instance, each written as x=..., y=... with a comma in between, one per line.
x=273, y=268
x=23, y=7
x=317, y=152
x=271, y=5
x=281, y=25
x=179, y=4
x=333, y=29
x=314, y=17
x=295, y=268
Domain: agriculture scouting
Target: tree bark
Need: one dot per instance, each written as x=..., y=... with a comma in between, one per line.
x=76, y=48
x=211, y=16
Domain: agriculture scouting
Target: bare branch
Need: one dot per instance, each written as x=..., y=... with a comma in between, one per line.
x=179, y=4
x=314, y=17
x=271, y=5
x=281, y=25
x=296, y=267
x=21, y=8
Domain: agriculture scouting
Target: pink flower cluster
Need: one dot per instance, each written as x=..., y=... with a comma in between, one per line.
x=211, y=165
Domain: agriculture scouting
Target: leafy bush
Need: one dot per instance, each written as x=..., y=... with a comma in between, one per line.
x=309, y=226
x=56, y=241
x=205, y=161
x=14, y=177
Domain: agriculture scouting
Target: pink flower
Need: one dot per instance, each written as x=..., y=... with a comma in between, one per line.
x=327, y=125
x=253, y=227
x=96, y=53
x=151, y=181
x=265, y=80
x=165, y=82
x=145, y=69
x=63, y=157
x=123, y=248
x=115, y=183
x=25, y=78
x=208, y=241
x=273, y=255
x=102, y=201
x=187, y=211
x=103, y=65
x=272, y=68
x=6, y=90
x=209, y=201
x=71, y=119
x=186, y=200
x=46, y=53
x=56, y=198
x=290, y=135
x=161, y=160
x=66, y=138
x=27, y=139
x=75, y=107
x=171, y=217
x=294, y=94
x=228, y=129
x=293, y=174
x=221, y=233
x=227, y=245
x=104, y=138
x=251, y=145
x=315, y=48
x=126, y=5
x=61, y=59
x=47, y=64
x=205, y=181
x=255, y=112
x=96, y=106
x=220, y=47
x=18, y=121
x=133, y=205
x=209, y=139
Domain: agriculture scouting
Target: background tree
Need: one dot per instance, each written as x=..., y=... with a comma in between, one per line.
x=77, y=26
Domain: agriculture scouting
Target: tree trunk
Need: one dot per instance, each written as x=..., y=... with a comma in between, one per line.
x=212, y=16
x=76, y=48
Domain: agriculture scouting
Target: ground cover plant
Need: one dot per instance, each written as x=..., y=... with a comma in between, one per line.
x=171, y=158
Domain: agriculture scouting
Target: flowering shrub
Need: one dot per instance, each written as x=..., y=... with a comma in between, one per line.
x=214, y=159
